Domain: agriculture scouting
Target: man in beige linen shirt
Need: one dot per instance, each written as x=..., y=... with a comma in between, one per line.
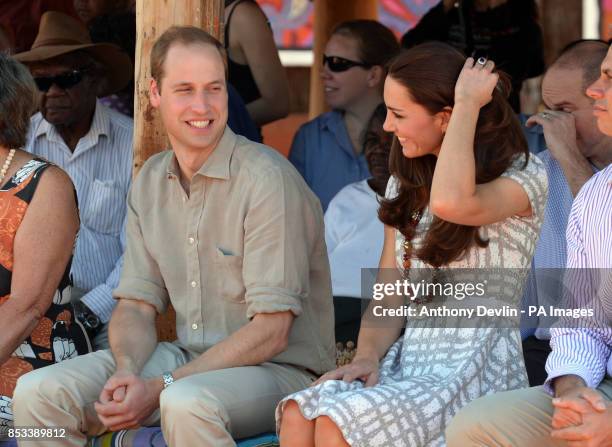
x=227, y=231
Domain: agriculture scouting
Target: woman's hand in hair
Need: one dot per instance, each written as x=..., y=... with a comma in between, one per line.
x=476, y=82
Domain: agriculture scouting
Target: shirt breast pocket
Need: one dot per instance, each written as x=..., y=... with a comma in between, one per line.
x=105, y=208
x=228, y=277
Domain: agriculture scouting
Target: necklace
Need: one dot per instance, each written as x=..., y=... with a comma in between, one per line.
x=7, y=164
x=407, y=256
x=406, y=263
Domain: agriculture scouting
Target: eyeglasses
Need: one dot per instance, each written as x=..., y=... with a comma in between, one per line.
x=64, y=81
x=338, y=64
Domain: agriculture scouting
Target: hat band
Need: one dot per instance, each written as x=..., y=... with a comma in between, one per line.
x=49, y=42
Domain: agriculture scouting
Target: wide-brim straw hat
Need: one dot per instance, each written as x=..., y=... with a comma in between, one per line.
x=60, y=34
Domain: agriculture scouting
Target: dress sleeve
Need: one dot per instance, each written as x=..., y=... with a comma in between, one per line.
x=533, y=179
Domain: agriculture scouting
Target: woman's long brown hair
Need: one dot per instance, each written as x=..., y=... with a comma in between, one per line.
x=429, y=72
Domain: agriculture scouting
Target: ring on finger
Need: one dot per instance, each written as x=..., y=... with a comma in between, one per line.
x=545, y=115
x=481, y=61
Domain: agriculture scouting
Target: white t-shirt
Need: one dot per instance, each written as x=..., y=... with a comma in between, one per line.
x=354, y=237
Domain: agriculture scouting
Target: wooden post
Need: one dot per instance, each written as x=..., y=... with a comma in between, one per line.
x=153, y=17
x=328, y=13
x=561, y=24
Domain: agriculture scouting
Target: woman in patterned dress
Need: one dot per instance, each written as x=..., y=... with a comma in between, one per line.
x=38, y=226
x=464, y=194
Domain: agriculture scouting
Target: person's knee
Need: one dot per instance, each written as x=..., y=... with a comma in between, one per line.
x=181, y=402
x=327, y=433
x=292, y=418
x=34, y=386
x=471, y=421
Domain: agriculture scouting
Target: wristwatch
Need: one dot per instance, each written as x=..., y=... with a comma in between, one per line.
x=90, y=321
x=168, y=379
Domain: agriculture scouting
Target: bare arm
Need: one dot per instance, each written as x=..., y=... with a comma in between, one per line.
x=132, y=335
x=377, y=334
x=455, y=196
x=253, y=35
x=42, y=247
x=264, y=337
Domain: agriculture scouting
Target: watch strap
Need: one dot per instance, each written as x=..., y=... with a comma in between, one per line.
x=168, y=379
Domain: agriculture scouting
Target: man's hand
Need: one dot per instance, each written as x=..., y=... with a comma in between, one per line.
x=568, y=415
x=127, y=400
x=561, y=140
x=559, y=132
x=595, y=429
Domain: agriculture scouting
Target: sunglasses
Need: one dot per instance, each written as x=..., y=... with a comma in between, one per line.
x=338, y=64
x=64, y=81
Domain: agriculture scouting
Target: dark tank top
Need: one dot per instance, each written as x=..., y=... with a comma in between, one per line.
x=240, y=75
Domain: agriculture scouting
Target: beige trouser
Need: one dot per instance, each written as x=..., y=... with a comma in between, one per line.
x=520, y=418
x=207, y=409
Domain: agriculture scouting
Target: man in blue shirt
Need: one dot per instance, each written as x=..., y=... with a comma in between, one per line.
x=576, y=149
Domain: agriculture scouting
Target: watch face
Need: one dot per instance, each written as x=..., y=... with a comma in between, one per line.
x=93, y=321
x=168, y=379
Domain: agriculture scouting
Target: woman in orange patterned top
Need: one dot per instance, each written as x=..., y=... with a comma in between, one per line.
x=38, y=226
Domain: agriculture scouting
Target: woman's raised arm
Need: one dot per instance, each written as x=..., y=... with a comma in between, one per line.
x=455, y=196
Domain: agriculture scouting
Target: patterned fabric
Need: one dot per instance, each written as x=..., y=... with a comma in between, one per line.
x=57, y=336
x=587, y=351
x=101, y=169
x=430, y=373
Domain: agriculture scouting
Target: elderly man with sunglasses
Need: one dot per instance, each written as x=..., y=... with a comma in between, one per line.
x=93, y=144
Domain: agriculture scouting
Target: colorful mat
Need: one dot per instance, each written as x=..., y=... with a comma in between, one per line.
x=152, y=437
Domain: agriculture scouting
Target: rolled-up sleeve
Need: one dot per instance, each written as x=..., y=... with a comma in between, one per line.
x=583, y=351
x=280, y=229
x=141, y=279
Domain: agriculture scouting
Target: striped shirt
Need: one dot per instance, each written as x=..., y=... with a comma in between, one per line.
x=585, y=351
x=542, y=287
x=100, y=168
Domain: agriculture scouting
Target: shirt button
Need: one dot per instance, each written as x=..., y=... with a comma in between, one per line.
x=194, y=284
x=191, y=241
x=194, y=326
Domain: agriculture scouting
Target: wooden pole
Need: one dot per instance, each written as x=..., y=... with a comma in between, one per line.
x=153, y=17
x=327, y=14
x=561, y=24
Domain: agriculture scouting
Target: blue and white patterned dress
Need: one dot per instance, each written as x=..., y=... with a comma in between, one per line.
x=431, y=372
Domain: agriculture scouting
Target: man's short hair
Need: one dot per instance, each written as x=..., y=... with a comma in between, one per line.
x=583, y=54
x=185, y=35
